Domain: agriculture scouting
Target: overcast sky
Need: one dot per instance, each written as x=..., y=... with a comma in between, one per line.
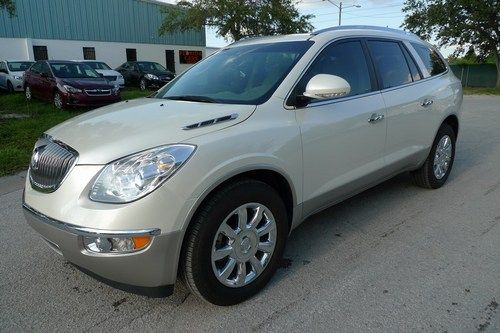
x=386, y=13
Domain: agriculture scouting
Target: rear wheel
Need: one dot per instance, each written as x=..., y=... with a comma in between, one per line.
x=27, y=93
x=142, y=84
x=437, y=167
x=235, y=243
x=58, y=101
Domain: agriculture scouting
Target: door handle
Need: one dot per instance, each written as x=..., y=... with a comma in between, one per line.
x=375, y=118
x=427, y=102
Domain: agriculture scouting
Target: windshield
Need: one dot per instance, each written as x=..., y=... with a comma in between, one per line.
x=146, y=66
x=19, y=66
x=73, y=70
x=98, y=65
x=239, y=75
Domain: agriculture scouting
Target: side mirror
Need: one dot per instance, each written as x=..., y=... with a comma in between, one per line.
x=324, y=86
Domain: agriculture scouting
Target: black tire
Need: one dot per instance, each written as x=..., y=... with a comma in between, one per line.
x=424, y=176
x=10, y=87
x=196, y=262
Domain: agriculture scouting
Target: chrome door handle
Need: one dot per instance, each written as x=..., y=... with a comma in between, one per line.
x=427, y=102
x=375, y=118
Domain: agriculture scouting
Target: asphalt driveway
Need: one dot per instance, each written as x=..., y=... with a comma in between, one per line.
x=394, y=258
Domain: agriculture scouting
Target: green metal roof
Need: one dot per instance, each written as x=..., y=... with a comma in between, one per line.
x=128, y=21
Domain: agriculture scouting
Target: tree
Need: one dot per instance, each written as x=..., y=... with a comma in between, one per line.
x=235, y=19
x=467, y=24
x=9, y=6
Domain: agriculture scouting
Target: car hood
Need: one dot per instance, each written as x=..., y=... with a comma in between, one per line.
x=97, y=83
x=18, y=73
x=124, y=128
x=107, y=72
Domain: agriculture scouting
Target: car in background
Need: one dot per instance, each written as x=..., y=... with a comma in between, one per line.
x=107, y=72
x=68, y=84
x=11, y=74
x=145, y=74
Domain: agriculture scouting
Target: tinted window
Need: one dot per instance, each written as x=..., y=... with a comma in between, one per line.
x=19, y=66
x=147, y=66
x=247, y=74
x=73, y=70
x=45, y=69
x=37, y=67
x=432, y=61
x=390, y=62
x=346, y=60
x=2, y=66
x=415, y=73
x=98, y=65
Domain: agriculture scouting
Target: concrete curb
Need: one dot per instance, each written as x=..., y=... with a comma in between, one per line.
x=12, y=183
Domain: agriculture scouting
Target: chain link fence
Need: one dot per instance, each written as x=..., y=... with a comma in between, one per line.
x=480, y=75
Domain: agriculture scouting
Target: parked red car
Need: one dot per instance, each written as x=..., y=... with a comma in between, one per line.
x=68, y=84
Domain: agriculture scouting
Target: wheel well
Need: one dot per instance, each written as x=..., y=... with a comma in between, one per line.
x=452, y=120
x=271, y=178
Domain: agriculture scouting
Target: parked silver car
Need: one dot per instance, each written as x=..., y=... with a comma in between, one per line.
x=207, y=178
x=11, y=74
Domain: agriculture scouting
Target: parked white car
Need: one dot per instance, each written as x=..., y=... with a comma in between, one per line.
x=11, y=74
x=207, y=178
x=110, y=74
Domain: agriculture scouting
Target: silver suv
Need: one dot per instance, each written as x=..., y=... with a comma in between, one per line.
x=207, y=178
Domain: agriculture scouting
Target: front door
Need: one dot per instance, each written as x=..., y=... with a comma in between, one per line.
x=343, y=138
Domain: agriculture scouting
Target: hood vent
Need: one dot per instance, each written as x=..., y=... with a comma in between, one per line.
x=211, y=122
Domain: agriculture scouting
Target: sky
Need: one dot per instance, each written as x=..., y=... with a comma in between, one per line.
x=385, y=13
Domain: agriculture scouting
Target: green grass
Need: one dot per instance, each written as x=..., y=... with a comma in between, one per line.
x=17, y=136
x=481, y=91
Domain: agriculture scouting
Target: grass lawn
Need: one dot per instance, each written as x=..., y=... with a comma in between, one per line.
x=481, y=91
x=18, y=135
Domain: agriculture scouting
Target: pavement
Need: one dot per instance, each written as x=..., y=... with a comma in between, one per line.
x=395, y=258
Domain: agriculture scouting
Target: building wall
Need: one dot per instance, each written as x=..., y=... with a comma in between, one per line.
x=128, y=21
x=113, y=54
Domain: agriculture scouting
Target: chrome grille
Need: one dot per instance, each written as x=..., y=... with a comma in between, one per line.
x=98, y=92
x=50, y=163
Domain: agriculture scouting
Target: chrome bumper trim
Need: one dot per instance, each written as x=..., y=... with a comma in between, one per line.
x=89, y=232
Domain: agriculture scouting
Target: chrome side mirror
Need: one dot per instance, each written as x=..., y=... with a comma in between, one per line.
x=324, y=86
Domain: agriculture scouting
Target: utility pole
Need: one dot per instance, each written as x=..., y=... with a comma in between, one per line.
x=340, y=6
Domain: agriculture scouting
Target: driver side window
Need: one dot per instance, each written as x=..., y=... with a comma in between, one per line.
x=346, y=60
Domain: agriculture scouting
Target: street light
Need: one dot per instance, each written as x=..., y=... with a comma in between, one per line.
x=340, y=7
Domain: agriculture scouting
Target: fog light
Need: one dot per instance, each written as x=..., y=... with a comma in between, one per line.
x=125, y=244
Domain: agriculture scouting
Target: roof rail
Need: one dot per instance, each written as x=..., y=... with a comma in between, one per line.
x=364, y=27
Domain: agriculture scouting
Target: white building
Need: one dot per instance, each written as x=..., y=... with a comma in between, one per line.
x=113, y=31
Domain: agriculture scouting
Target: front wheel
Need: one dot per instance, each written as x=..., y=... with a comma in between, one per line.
x=143, y=85
x=58, y=101
x=27, y=93
x=235, y=243
x=437, y=167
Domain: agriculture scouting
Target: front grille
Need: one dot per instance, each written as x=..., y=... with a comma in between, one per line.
x=110, y=78
x=50, y=163
x=98, y=92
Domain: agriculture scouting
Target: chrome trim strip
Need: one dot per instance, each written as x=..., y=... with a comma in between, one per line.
x=211, y=121
x=88, y=232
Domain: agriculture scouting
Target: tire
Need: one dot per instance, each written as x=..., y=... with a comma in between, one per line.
x=427, y=176
x=198, y=266
x=28, y=93
x=58, y=101
x=10, y=87
x=143, y=84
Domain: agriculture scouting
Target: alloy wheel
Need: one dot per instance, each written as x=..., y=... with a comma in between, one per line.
x=142, y=84
x=58, y=103
x=442, y=158
x=27, y=93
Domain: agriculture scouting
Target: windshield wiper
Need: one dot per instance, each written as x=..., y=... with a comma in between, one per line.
x=192, y=98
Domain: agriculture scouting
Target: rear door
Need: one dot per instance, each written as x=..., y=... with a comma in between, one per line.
x=342, y=144
x=407, y=118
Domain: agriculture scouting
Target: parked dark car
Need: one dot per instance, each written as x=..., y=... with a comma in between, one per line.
x=145, y=74
x=68, y=84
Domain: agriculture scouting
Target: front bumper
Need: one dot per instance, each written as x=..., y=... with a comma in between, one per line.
x=18, y=85
x=84, y=100
x=151, y=271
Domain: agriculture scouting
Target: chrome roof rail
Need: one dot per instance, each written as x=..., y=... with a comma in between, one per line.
x=363, y=27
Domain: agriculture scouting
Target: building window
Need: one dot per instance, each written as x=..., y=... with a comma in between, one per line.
x=131, y=54
x=89, y=53
x=40, y=53
x=190, y=57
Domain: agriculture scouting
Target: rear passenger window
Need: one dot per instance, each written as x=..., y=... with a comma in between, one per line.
x=390, y=62
x=346, y=60
x=432, y=61
x=415, y=73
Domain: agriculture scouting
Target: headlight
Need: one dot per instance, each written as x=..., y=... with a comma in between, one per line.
x=18, y=77
x=132, y=177
x=71, y=90
x=151, y=77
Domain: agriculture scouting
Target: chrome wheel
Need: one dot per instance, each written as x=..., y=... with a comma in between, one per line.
x=58, y=103
x=142, y=84
x=442, y=158
x=243, y=245
x=27, y=93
